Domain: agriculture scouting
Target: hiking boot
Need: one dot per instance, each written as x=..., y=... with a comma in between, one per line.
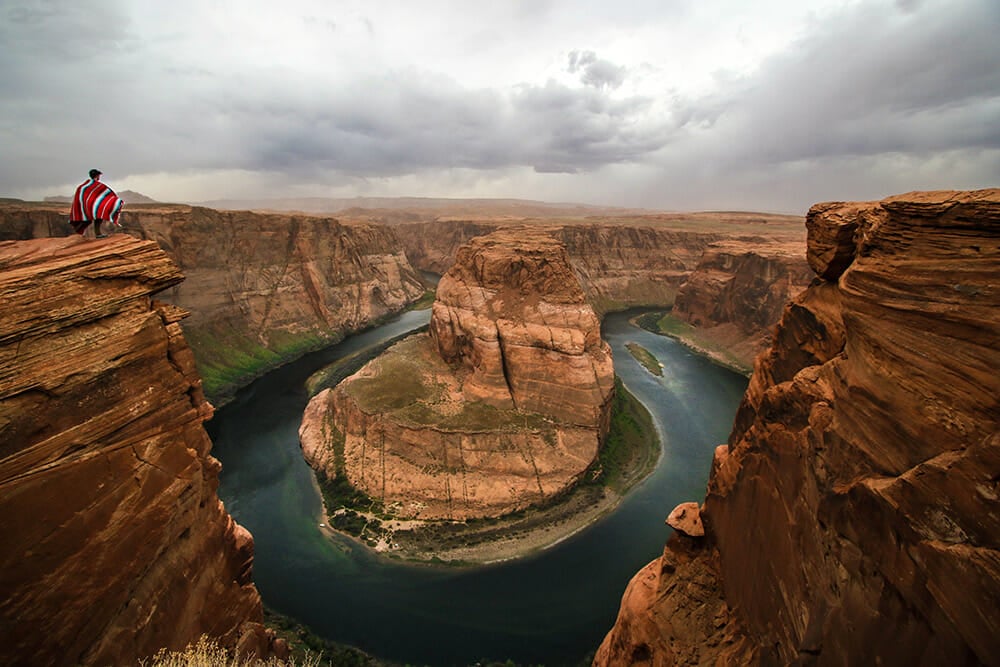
x=102, y=236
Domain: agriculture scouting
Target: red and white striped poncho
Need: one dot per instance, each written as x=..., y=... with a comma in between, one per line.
x=95, y=201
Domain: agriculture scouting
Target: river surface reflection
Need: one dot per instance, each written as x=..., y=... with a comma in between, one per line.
x=553, y=608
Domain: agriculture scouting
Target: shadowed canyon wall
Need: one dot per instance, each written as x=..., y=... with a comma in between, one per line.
x=502, y=405
x=736, y=293
x=115, y=543
x=853, y=516
x=261, y=288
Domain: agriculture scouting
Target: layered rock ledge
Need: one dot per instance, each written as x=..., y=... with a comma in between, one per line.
x=852, y=517
x=501, y=406
x=115, y=543
x=262, y=288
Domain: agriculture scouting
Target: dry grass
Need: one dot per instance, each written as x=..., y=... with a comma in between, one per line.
x=206, y=653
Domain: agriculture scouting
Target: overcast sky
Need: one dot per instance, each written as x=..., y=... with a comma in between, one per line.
x=672, y=104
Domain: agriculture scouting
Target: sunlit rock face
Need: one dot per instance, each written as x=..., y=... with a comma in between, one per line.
x=853, y=516
x=115, y=543
x=619, y=266
x=511, y=312
x=503, y=404
x=728, y=275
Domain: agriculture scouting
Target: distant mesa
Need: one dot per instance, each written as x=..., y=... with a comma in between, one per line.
x=409, y=209
x=128, y=196
x=502, y=405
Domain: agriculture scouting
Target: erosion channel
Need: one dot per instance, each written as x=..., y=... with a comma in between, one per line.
x=552, y=608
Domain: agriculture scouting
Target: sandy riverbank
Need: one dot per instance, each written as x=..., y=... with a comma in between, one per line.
x=488, y=541
x=715, y=345
x=629, y=455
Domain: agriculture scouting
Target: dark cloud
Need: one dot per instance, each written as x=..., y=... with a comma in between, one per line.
x=865, y=82
x=580, y=59
x=595, y=72
x=416, y=124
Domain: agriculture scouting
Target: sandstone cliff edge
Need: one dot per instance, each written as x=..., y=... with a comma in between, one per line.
x=115, y=543
x=261, y=288
x=854, y=516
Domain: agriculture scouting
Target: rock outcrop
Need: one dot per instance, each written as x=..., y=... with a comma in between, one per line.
x=502, y=405
x=852, y=518
x=261, y=288
x=513, y=315
x=619, y=265
x=115, y=543
x=737, y=293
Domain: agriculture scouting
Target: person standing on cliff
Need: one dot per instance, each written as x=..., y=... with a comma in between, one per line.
x=94, y=202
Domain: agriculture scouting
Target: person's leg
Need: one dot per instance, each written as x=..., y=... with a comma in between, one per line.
x=97, y=230
x=80, y=226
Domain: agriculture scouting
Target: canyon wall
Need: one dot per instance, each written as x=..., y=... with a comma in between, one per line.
x=726, y=274
x=261, y=288
x=115, y=543
x=853, y=516
x=511, y=312
x=502, y=405
x=620, y=266
x=736, y=293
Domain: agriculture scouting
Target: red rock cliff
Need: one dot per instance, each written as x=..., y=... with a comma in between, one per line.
x=512, y=313
x=115, y=543
x=619, y=265
x=728, y=275
x=853, y=517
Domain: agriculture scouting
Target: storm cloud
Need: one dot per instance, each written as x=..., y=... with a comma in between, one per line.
x=533, y=101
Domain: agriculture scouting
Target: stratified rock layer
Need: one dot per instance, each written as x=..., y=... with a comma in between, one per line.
x=503, y=405
x=727, y=274
x=853, y=517
x=261, y=288
x=512, y=312
x=267, y=287
x=115, y=543
x=737, y=292
x=619, y=265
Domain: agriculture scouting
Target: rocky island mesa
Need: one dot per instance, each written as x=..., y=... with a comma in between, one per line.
x=853, y=516
x=502, y=405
